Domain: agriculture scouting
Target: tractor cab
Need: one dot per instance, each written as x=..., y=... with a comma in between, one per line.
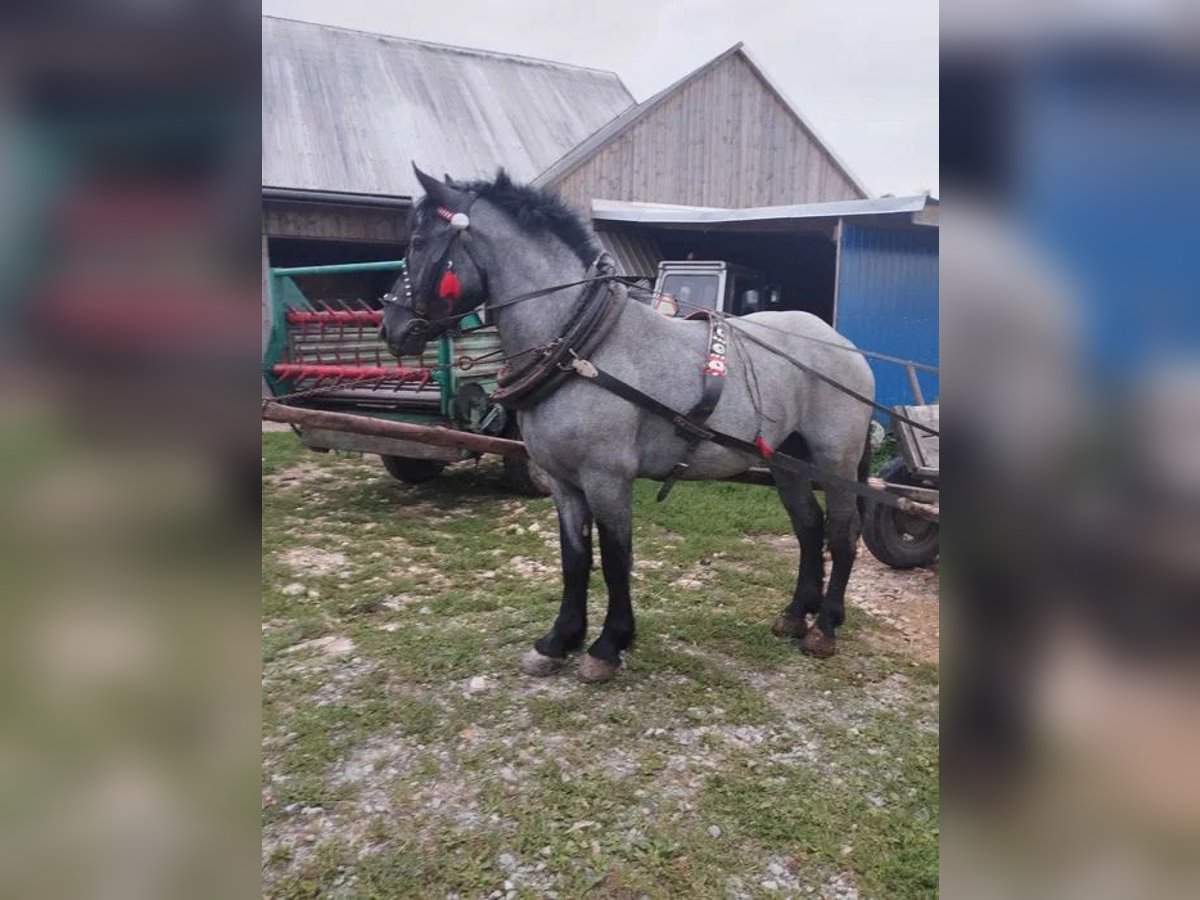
x=685, y=287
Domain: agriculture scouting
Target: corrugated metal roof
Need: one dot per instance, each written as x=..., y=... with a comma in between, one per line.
x=347, y=110
x=668, y=214
x=577, y=155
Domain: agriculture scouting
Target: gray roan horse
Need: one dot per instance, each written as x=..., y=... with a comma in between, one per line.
x=517, y=241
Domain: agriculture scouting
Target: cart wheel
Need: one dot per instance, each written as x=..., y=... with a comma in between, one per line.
x=524, y=476
x=895, y=538
x=411, y=470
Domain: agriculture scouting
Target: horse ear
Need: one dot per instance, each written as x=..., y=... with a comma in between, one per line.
x=439, y=193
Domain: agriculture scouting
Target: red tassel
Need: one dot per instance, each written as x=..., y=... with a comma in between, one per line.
x=761, y=444
x=449, y=289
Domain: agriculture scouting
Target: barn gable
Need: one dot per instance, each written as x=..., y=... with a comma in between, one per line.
x=722, y=136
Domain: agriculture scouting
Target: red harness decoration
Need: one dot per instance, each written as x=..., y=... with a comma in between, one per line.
x=763, y=447
x=449, y=288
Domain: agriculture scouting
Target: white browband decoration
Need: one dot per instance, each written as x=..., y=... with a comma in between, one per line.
x=458, y=221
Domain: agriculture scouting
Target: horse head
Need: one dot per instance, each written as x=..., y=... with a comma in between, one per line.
x=441, y=282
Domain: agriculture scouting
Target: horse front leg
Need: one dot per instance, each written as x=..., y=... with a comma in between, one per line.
x=611, y=501
x=570, y=628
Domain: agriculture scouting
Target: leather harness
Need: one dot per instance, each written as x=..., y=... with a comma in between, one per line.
x=690, y=427
x=594, y=316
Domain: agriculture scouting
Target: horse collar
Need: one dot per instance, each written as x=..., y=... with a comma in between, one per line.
x=597, y=311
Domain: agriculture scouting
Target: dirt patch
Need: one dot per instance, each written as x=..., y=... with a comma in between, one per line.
x=312, y=561
x=907, y=600
x=333, y=645
x=308, y=474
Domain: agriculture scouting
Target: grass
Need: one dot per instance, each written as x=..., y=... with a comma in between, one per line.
x=384, y=776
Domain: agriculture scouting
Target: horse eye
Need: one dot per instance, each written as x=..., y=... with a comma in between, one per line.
x=417, y=240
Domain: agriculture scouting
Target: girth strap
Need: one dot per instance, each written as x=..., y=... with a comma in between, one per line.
x=715, y=366
x=804, y=469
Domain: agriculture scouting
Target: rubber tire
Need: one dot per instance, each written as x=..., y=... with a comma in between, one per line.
x=526, y=477
x=411, y=470
x=883, y=532
x=522, y=474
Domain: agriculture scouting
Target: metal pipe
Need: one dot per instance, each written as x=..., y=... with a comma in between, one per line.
x=334, y=317
x=340, y=198
x=915, y=384
x=351, y=372
x=341, y=268
x=437, y=436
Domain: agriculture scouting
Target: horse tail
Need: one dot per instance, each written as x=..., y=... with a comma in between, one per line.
x=864, y=470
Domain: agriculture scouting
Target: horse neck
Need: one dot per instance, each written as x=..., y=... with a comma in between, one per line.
x=537, y=321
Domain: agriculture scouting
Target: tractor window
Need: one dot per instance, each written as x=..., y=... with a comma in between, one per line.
x=692, y=292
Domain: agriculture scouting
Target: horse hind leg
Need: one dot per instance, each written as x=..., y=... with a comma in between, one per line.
x=570, y=628
x=808, y=521
x=843, y=524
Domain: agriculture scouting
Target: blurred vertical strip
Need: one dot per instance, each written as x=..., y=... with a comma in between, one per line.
x=1071, y=345
x=129, y=241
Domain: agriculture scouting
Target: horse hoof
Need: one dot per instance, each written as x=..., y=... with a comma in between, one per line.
x=539, y=666
x=786, y=626
x=817, y=644
x=593, y=670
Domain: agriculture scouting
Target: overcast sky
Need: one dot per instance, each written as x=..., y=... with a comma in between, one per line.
x=863, y=72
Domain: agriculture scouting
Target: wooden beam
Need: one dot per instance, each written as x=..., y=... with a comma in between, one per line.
x=370, y=425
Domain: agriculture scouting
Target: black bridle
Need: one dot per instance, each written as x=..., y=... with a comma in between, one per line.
x=439, y=284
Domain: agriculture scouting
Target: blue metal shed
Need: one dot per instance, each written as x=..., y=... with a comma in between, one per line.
x=887, y=301
x=869, y=267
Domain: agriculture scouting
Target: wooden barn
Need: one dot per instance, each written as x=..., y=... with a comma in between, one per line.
x=344, y=112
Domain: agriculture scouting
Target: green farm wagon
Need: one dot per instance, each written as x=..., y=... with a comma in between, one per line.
x=324, y=356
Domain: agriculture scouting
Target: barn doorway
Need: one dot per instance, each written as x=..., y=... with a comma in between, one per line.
x=803, y=264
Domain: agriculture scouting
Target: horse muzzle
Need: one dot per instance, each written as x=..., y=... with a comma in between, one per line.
x=412, y=338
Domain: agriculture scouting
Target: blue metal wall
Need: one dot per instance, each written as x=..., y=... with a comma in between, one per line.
x=888, y=302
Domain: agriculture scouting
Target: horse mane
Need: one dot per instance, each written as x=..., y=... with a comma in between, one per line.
x=536, y=210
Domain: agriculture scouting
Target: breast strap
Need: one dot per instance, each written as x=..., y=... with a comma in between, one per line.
x=689, y=427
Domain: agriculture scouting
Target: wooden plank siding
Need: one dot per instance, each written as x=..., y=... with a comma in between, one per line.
x=319, y=221
x=722, y=137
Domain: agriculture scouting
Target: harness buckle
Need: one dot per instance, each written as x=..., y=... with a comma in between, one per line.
x=669, y=481
x=689, y=430
x=583, y=367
